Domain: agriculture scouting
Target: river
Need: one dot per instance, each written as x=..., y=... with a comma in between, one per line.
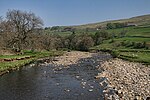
x=55, y=82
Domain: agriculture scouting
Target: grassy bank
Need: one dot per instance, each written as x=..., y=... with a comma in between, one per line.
x=9, y=62
x=135, y=46
x=135, y=55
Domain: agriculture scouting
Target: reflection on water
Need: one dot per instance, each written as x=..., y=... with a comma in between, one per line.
x=46, y=82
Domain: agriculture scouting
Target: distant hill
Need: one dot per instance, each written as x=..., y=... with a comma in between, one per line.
x=138, y=20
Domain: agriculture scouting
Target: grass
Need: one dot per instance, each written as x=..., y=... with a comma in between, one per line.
x=127, y=53
x=18, y=63
x=136, y=55
x=63, y=34
x=134, y=39
x=133, y=31
x=11, y=56
x=143, y=57
x=134, y=34
x=15, y=64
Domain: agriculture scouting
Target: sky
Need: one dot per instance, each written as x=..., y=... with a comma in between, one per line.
x=77, y=12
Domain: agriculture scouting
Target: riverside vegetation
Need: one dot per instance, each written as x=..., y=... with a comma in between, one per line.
x=14, y=62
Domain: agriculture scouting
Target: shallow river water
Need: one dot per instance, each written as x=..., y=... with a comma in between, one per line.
x=52, y=82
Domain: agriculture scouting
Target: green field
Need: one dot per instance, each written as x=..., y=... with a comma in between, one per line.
x=128, y=51
x=141, y=31
x=143, y=57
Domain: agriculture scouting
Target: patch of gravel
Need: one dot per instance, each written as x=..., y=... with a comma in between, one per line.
x=71, y=58
x=129, y=80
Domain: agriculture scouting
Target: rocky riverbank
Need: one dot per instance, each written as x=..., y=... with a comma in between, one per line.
x=71, y=58
x=129, y=80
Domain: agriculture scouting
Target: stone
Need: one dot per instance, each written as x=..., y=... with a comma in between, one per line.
x=83, y=83
x=77, y=76
x=128, y=78
x=90, y=90
x=67, y=90
x=57, y=84
x=91, y=86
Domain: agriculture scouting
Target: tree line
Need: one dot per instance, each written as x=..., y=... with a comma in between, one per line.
x=22, y=30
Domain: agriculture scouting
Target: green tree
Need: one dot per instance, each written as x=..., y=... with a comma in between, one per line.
x=110, y=26
x=55, y=28
x=84, y=42
x=100, y=36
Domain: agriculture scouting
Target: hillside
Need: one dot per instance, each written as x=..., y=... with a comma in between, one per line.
x=129, y=47
x=139, y=20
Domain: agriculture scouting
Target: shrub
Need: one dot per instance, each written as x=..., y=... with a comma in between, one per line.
x=111, y=41
x=115, y=53
x=116, y=44
x=127, y=43
x=139, y=45
x=100, y=36
x=85, y=43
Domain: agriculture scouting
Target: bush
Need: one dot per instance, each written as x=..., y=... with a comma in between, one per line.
x=85, y=43
x=115, y=53
x=111, y=41
x=100, y=36
x=117, y=44
x=139, y=45
x=127, y=43
x=81, y=42
x=115, y=25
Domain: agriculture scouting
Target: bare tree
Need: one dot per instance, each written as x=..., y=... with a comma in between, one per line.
x=22, y=24
x=0, y=31
x=5, y=33
x=1, y=20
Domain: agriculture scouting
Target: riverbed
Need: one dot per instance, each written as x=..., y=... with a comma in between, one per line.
x=57, y=79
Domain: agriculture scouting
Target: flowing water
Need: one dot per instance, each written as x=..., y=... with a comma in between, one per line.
x=53, y=82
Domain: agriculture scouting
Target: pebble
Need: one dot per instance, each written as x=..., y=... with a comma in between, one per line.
x=67, y=90
x=31, y=65
x=77, y=76
x=92, y=86
x=57, y=84
x=105, y=91
x=83, y=83
x=90, y=90
x=70, y=58
x=128, y=78
x=44, y=72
